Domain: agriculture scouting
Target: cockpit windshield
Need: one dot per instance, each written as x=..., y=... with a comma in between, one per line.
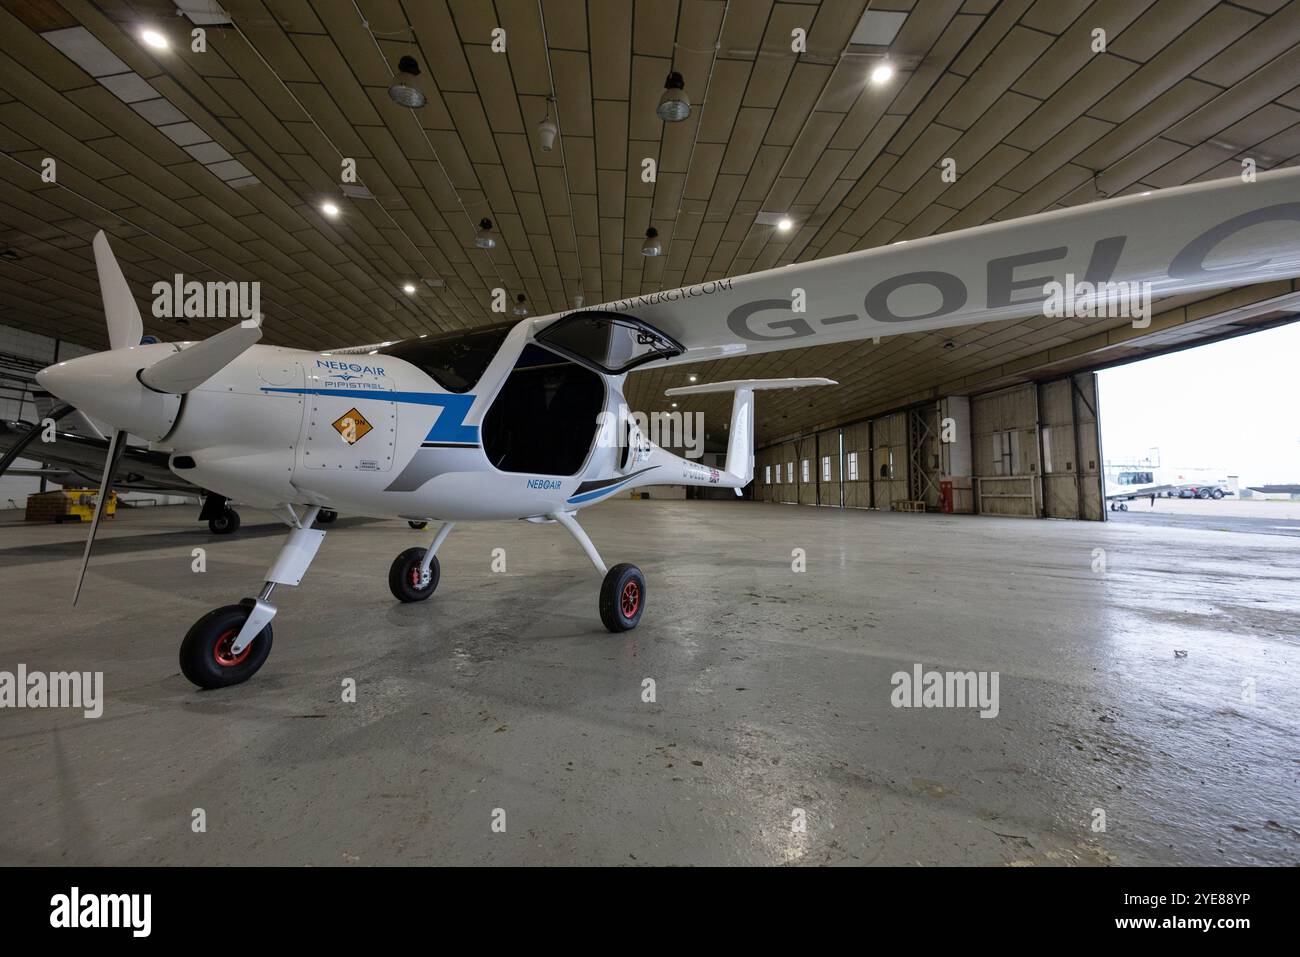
x=609, y=342
x=454, y=360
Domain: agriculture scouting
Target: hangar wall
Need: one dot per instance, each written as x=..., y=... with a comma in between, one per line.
x=1030, y=450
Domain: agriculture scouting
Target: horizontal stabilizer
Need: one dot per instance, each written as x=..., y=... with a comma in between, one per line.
x=751, y=384
x=196, y=364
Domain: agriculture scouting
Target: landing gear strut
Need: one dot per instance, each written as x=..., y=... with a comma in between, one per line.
x=414, y=573
x=229, y=644
x=622, y=592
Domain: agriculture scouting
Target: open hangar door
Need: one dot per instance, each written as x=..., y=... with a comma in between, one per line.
x=1205, y=436
x=1036, y=450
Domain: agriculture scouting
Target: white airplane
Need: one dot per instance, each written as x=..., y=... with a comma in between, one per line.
x=503, y=422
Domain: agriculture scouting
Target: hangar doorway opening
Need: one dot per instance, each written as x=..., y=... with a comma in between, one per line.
x=1206, y=437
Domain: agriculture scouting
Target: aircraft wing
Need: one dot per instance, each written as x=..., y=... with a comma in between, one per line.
x=73, y=459
x=1204, y=236
x=1139, y=491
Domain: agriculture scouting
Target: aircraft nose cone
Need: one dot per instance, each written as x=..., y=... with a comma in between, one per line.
x=52, y=378
x=104, y=386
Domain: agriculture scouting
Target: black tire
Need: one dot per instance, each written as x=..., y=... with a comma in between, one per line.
x=404, y=576
x=1217, y=493
x=1203, y=493
x=227, y=523
x=418, y=526
x=205, y=652
x=325, y=516
x=622, y=598
x=1123, y=506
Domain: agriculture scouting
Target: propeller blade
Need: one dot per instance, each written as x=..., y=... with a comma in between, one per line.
x=123, y=315
x=116, y=445
x=56, y=413
x=191, y=367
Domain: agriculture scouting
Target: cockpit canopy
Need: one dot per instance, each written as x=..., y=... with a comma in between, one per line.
x=454, y=360
x=608, y=342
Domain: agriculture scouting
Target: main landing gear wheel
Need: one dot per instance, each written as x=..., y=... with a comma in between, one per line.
x=622, y=597
x=206, y=656
x=227, y=523
x=325, y=516
x=418, y=526
x=405, y=580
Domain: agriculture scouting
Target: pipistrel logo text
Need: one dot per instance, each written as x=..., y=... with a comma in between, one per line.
x=75, y=910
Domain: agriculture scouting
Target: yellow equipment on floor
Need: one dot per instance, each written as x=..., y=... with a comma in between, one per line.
x=67, y=505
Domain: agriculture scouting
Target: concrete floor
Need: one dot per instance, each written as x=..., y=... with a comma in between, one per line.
x=773, y=693
x=1259, y=516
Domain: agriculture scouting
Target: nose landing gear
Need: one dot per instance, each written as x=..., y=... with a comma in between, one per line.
x=207, y=655
x=229, y=644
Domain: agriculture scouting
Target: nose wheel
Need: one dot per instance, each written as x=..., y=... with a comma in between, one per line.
x=622, y=597
x=207, y=655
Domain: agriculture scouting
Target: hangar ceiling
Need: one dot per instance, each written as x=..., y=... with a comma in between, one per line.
x=216, y=164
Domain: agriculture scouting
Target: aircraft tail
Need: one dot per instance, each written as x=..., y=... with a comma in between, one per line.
x=739, y=469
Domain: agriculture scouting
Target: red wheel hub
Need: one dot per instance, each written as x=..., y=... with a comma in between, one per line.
x=630, y=599
x=221, y=650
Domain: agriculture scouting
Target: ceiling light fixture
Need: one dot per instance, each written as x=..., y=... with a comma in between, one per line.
x=674, y=106
x=883, y=73
x=155, y=39
x=547, y=130
x=404, y=92
x=329, y=209
x=652, y=246
x=521, y=310
x=691, y=378
x=409, y=289
x=484, y=238
x=786, y=224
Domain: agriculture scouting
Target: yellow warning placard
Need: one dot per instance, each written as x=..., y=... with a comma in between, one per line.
x=352, y=425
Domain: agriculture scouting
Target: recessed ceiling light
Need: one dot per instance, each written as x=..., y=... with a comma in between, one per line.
x=484, y=239
x=409, y=288
x=785, y=225
x=674, y=405
x=154, y=39
x=883, y=73
x=692, y=378
x=329, y=209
